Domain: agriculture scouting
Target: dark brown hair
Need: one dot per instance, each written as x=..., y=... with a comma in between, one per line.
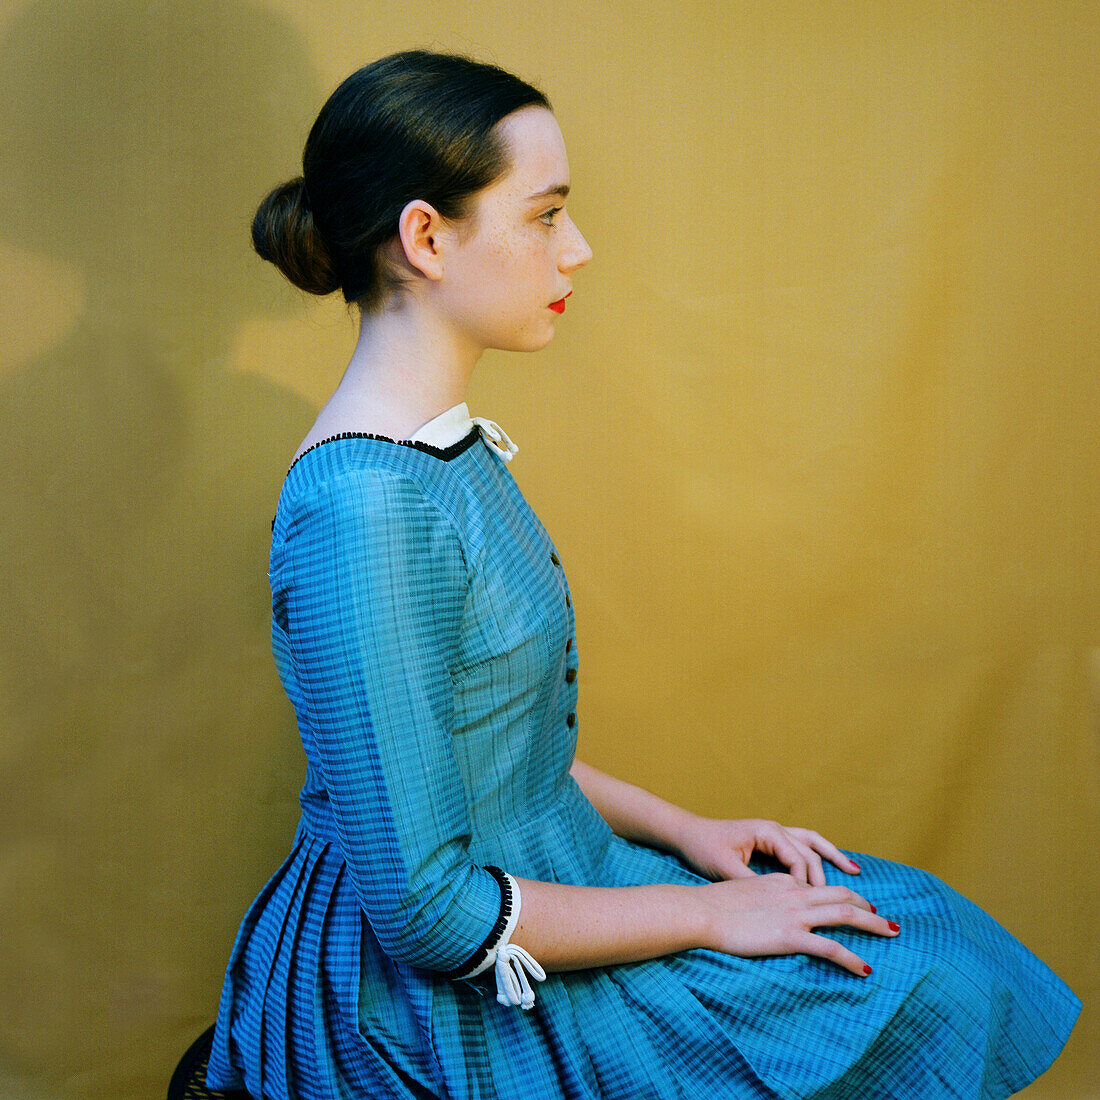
x=413, y=125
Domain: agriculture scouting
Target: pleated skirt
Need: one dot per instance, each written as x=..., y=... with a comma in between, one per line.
x=955, y=1007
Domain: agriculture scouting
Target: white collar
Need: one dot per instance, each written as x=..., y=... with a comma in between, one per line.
x=455, y=424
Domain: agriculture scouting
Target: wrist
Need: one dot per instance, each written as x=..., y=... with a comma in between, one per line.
x=681, y=827
x=703, y=917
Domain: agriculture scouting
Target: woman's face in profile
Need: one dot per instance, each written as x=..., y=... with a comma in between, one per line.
x=517, y=254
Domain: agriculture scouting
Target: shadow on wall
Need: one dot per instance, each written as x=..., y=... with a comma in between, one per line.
x=152, y=764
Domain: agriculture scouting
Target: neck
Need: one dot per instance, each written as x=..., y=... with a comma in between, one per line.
x=407, y=367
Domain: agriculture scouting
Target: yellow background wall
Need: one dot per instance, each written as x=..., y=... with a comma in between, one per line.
x=817, y=439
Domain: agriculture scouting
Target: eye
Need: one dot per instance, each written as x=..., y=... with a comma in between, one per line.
x=548, y=217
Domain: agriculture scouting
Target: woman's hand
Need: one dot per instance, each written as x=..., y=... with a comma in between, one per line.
x=722, y=849
x=775, y=915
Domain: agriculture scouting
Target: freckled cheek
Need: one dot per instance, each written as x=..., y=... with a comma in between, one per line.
x=509, y=266
x=501, y=251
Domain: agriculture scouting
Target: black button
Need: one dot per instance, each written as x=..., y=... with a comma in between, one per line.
x=571, y=721
x=569, y=645
x=554, y=559
x=570, y=675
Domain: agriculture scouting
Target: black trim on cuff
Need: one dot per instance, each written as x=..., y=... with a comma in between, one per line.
x=491, y=940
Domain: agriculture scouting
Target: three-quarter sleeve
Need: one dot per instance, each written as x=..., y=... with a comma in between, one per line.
x=375, y=583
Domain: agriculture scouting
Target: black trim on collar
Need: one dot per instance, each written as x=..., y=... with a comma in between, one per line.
x=445, y=454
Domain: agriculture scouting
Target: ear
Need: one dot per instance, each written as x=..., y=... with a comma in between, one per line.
x=418, y=228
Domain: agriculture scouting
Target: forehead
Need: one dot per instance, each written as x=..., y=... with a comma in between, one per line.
x=536, y=153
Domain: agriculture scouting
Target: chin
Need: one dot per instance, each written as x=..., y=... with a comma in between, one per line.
x=534, y=343
x=542, y=342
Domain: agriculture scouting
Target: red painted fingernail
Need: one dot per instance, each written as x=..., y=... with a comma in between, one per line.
x=854, y=864
x=866, y=969
x=873, y=909
x=893, y=926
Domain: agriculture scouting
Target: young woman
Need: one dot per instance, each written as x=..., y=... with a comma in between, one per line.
x=468, y=911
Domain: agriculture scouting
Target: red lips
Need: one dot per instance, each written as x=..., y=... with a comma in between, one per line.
x=559, y=305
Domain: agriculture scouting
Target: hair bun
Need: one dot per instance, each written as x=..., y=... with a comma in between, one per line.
x=284, y=233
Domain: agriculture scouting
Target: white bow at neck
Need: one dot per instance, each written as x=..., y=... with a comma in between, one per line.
x=455, y=424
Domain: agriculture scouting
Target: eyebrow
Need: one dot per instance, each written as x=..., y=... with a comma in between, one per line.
x=555, y=189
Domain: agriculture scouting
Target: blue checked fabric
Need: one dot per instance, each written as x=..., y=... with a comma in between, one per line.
x=423, y=630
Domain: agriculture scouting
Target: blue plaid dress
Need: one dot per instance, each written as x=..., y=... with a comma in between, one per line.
x=424, y=632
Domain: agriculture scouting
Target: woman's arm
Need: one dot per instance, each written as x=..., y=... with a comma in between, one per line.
x=571, y=927
x=717, y=849
x=631, y=812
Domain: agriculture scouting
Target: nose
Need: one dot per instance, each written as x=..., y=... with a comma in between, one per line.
x=575, y=252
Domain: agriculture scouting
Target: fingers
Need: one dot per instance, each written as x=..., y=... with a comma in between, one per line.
x=845, y=915
x=787, y=852
x=778, y=915
x=825, y=848
x=815, y=870
x=838, y=895
x=851, y=915
x=791, y=848
x=824, y=948
x=822, y=904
